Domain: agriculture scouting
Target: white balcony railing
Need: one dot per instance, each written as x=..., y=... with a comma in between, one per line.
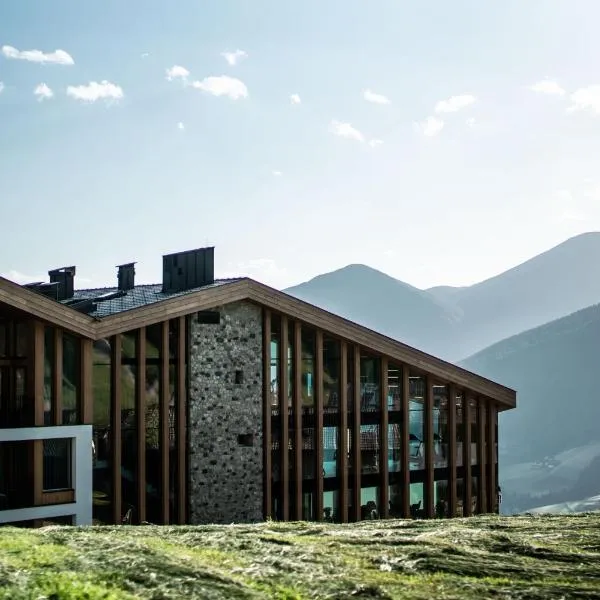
x=81, y=473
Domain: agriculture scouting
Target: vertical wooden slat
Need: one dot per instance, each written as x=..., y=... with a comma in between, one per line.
x=297, y=415
x=356, y=441
x=57, y=379
x=429, y=454
x=492, y=483
x=164, y=422
x=181, y=422
x=404, y=441
x=115, y=422
x=481, y=455
x=451, y=390
x=140, y=417
x=343, y=435
x=267, y=462
x=86, y=392
x=384, y=504
x=35, y=392
x=284, y=413
x=319, y=423
x=467, y=480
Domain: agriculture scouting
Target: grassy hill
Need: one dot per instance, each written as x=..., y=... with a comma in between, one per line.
x=540, y=557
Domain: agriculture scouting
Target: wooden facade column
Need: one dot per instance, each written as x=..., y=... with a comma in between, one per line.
x=35, y=392
x=319, y=423
x=467, y=479
x=429, y=450
x=284, y=415
x=356, y=438
x=343, y=435
x=481, y=454
x=384, y=502
x=86, y=391
x=181, y=396
x=451, y=394
x=297, y=416
x=491, y=457
x=140, y=417
x=57, y=378
x=164, y=422
x=405, y=442
x=115, y=425
x=267, y=462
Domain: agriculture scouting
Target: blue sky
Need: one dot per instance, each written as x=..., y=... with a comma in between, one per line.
x=506, y=167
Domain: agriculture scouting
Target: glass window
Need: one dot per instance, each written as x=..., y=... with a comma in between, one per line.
x=417, y=500
x=395, y=498
x=369, y=503
x=308, y=368
x=331, y=375
x=70, y=381
x=460, y=497
x=57, y=464
x=440, y=426
x=441, y=499
x=394, y=403
x=128, y=370
x=474, y=420
x=49, y=372
x=3, y=339
x=416, y=408
x=460, y=430
x=370, y=383
x=152, y=422
x=330, y=503
x=474, y=495
x=369, y=448
x=21, y=339
x=274, y=360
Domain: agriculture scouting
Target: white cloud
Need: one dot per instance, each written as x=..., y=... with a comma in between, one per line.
x=345, y=130
x=431, y=126
x=277, y=173
x=233, y=58
x=177, y=72
x=145, y=54
x=21, y=278
x=547, y=86
x=471, y=123
x=1, y=87
x=375, y=143
x=223, y=86
x=587, y=98
x=455, y=103
x=58, y=57
x=180, y=126
x=370, y=96
x=105, y=90
x=295, y=99
x=43, y=92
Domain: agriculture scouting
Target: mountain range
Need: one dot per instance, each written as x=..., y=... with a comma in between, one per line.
x=534, y=328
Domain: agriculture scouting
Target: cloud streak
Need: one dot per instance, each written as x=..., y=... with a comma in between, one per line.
x=58, y=57
x=586, y=99
x=233, y=58
x=374, y=98
x=94, y=91
x=43, y=92
x=430, y=127
x=222, y=85
x=455, y=103
x=177, y=72
x=345, y=130
x=547, y=86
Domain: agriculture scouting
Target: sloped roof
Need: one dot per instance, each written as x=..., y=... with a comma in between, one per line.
x=147, y=305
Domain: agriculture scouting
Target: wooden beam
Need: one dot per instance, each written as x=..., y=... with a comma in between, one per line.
x=356, y=438
x=319, y=423
x=267, y=462
x=35, y=392
x=343, y=435
x=481, y=455
x=404, y=441
x=165, y=396
x=284, y=415
x=451, y=391
x=297, y=416
x=491, y=458
x=115, y=425
x=57, y=378
x=429, y=450
x=181, y=422
x=140, y=417
x=86, y=390
x=384, y=502
x=467, y=479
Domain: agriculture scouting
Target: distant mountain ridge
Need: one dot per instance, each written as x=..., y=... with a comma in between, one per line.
x=456, y=322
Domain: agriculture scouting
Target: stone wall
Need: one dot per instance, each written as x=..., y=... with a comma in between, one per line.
x=225, y=417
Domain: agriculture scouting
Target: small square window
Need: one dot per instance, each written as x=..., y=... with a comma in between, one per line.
x=246, y=439
x=239, y=377
x=209, y=317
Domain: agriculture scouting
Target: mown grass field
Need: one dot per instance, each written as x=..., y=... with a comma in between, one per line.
x=484, y=557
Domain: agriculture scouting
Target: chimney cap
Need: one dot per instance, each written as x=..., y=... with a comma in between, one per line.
x=70, y=270
x=129, y=264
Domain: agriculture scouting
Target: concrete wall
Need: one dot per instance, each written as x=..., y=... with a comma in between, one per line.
x=226, y=476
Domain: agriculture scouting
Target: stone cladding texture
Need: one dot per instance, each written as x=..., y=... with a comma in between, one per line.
x=225, y=417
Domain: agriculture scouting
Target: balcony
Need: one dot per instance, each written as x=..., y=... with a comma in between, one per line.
x=59, y=465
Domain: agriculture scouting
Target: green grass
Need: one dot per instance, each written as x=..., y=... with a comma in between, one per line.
x=540, y=557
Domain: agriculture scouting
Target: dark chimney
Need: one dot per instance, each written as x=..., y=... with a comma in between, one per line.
x=126, y=276
x=65, y=278
x=187, y=270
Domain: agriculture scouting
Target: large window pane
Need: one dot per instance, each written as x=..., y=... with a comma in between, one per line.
x=474, y=420
x=460, y=430
x=331, y=395
x=70, y=382
x=416, y=408
x=129, y=452
x=274, y=376
x=440, y=426
x=49, y=333
x=394, y=403
x=417, y=500
x=369, y=503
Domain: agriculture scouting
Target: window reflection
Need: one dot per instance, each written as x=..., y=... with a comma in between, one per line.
x=70, y=382
x=369, y=503
x=440, y=426
x=416, y=408
x=474, y=420
x=417, y=500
